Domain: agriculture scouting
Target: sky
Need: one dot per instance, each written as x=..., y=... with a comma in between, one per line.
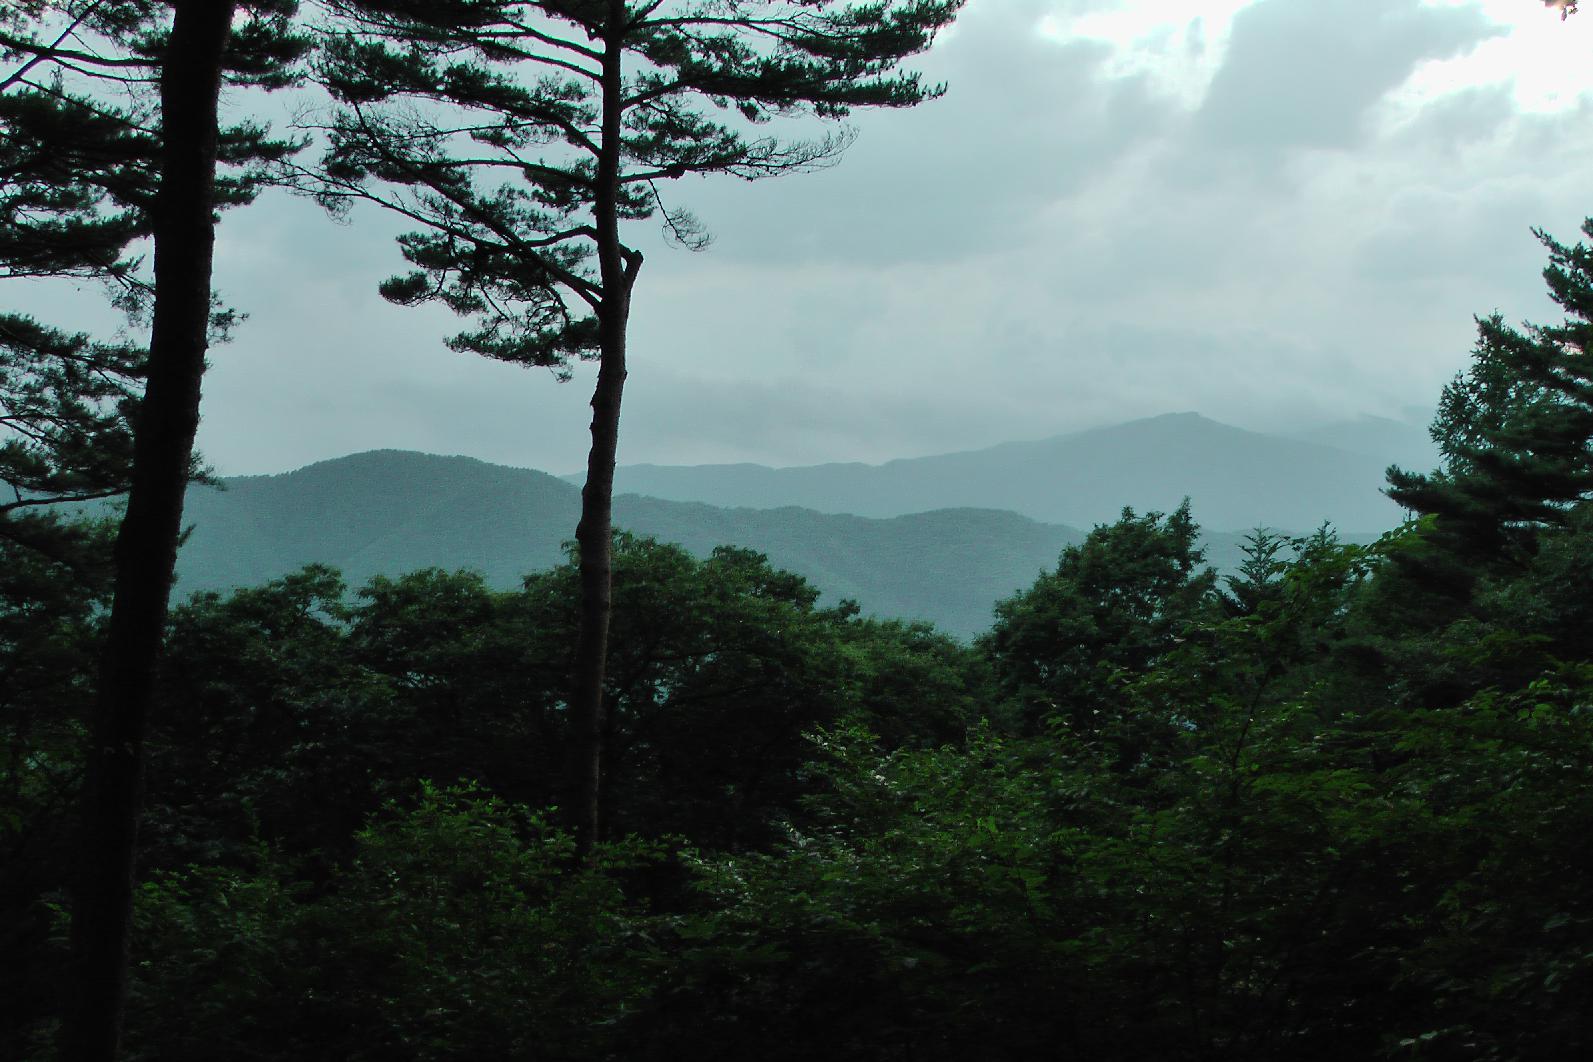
x=1276, y=213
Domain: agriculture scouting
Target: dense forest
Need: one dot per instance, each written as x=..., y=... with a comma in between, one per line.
x=1335, y=804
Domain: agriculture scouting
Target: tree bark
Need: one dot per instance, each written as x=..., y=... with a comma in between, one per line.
x=595, y=546
x=146, y=545
x=594, y=535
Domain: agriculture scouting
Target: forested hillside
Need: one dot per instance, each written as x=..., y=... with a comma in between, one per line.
x=1324, y=806
x=389, y=513
x=392, y=513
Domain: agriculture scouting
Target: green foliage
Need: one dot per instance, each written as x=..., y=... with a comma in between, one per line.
x=262, y=716
x=80, y=141
x=460, y=930
x=1284, y=885
x=1506, y=964
x=1298, y=856
x=49, y=604
x=66, y=403
x=1116, y=604
x=291, y=711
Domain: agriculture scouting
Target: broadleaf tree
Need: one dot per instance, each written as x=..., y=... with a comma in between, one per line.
x=521, y=138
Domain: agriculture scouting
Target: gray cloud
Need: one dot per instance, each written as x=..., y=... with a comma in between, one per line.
x=1025, y=119
x=1053, y=245
x=1455, y=123
x=1306, y=74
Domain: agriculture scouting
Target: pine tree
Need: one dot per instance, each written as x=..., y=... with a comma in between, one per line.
x=74, y=175
x=79, y=153
x=165, y=186
x=522, y=137
x=1516, y=433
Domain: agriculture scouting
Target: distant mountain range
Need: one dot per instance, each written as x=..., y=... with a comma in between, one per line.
x=936, y=538
x=389, y=512
x=1235, y=478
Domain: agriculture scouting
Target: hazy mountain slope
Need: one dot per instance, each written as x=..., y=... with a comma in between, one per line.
x=1393, y=442
x=389, y=512
x=949, y=566
x=383, y=512
x=1235, y=478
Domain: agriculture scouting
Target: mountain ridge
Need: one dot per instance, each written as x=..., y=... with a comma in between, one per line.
x=1235, y=478
x=387, y=512
x=948, y=560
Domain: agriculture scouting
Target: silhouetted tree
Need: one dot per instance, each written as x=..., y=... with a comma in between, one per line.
x=164, y=185
x=522, y=136
x=65, y=407
x=74, y=178
x=146, y=547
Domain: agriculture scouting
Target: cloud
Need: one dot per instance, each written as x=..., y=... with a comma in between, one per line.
x=1303, y=75
x=1068, y=238
x=1024, y=119
x=1454, y=123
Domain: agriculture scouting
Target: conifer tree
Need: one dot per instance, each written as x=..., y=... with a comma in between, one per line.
x=73, y=172
x=1515, y=431
x=521, y=137
x=86, y=66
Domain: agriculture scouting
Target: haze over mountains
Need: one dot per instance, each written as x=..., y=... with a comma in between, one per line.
x=923, y=549
x=387, y=512
x=1406, y=443
x=1236, y=479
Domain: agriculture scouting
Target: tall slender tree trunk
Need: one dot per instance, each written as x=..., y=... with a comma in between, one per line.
x=146, y=547
x=595, y=542
x=594, y=535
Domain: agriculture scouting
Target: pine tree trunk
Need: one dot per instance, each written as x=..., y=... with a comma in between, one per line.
x=146, y=546
x=595, y=542
x=594, y=535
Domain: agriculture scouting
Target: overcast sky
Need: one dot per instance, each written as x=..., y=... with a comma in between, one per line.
x=1275, y=213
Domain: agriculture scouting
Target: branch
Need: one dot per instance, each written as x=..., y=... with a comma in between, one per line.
x=562, y=64
x=86, y=105
x=681, y=224
x=526, y=30
x=42, y=52
x=37, y=59
x=61, y=499
x=330, y=187
x=514, y=162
